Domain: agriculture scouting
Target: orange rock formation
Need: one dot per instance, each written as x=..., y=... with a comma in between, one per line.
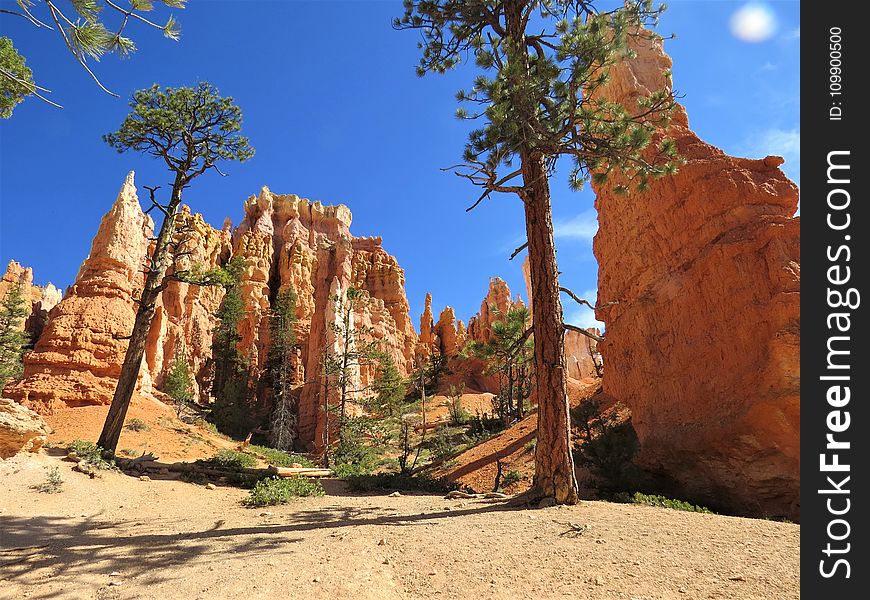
x=704, y=343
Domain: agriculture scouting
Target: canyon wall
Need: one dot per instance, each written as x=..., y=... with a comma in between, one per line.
x=286, y=242
x=704, y=343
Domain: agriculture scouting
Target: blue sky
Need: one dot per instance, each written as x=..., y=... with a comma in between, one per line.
x=336, y=113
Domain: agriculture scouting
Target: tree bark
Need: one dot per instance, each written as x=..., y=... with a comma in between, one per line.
x=554, y=464
x=141, y=327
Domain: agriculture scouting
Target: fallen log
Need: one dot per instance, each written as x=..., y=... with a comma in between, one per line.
x=217, y=471
x=300, y=471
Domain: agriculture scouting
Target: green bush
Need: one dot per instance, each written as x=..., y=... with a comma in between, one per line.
x=137, y=425
x=232, y=459
x=92, y=454
x=662, y=501
x=279, y=458
x=278, y=490
x=511, y=477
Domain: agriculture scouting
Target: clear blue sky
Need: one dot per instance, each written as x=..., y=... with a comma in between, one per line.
x=336, y=113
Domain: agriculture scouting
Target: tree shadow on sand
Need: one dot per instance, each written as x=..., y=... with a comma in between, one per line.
x=76, y=547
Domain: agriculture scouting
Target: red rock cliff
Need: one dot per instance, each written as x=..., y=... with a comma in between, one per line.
x=704, y=343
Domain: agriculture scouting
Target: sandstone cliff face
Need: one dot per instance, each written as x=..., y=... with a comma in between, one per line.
x=704, y=343
x=184, y=318
x=291, y=242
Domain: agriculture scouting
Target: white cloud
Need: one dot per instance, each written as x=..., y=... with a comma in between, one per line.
x=753, y=22
x=794, y=34
x=582, y=227
x=768, y=66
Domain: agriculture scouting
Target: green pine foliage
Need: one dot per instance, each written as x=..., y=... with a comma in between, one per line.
x=280, y=372
x=16, y=78
x=389, y=387
x=179, y=382
x=189, y=128
x=88, y=30
x=538, y=94
x=13, y=341
x=231, y=386
x=509, y=354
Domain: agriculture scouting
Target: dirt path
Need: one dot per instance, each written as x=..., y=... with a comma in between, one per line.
x=119, y=538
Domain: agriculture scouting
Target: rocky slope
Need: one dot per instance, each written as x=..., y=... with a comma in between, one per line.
x=704, y=343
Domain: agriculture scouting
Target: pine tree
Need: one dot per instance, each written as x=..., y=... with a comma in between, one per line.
x=228, y=360
x=542, y=62
x=85, y=33
x=280, y=370
x=179, y=382
x=13, y=341
x=389, y=387
x=509, y=354
x=191, y=130
x=231, y=385
x=16, y=78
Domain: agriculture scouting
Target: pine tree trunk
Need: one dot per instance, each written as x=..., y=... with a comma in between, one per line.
x=141, y=327
x=554, y=464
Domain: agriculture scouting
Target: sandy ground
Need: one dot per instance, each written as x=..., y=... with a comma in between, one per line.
x=118, y=537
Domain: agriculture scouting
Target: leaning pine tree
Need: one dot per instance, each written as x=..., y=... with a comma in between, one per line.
x=542, y=62
x=191, y=130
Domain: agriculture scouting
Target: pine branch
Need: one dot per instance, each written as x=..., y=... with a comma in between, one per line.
x=580, y=330
x=54, y=15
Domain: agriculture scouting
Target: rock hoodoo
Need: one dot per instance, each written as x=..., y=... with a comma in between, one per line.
x=78, y=357
x=21, y=429
x=704, y=343
x=287, y=242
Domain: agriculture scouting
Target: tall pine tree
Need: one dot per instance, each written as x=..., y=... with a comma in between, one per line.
x=191, y=130
x=280, y=370
x=541, y=62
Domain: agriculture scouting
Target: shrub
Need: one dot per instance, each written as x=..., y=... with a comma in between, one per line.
x=277, y=490
x=352, y=455
x=52, y=482
x=607, y=447
x=92, y=454
x=232, y=459
x=662, y=501
x=279, y=458
x=458, y=414
x=137, y=425
x=511, y=477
